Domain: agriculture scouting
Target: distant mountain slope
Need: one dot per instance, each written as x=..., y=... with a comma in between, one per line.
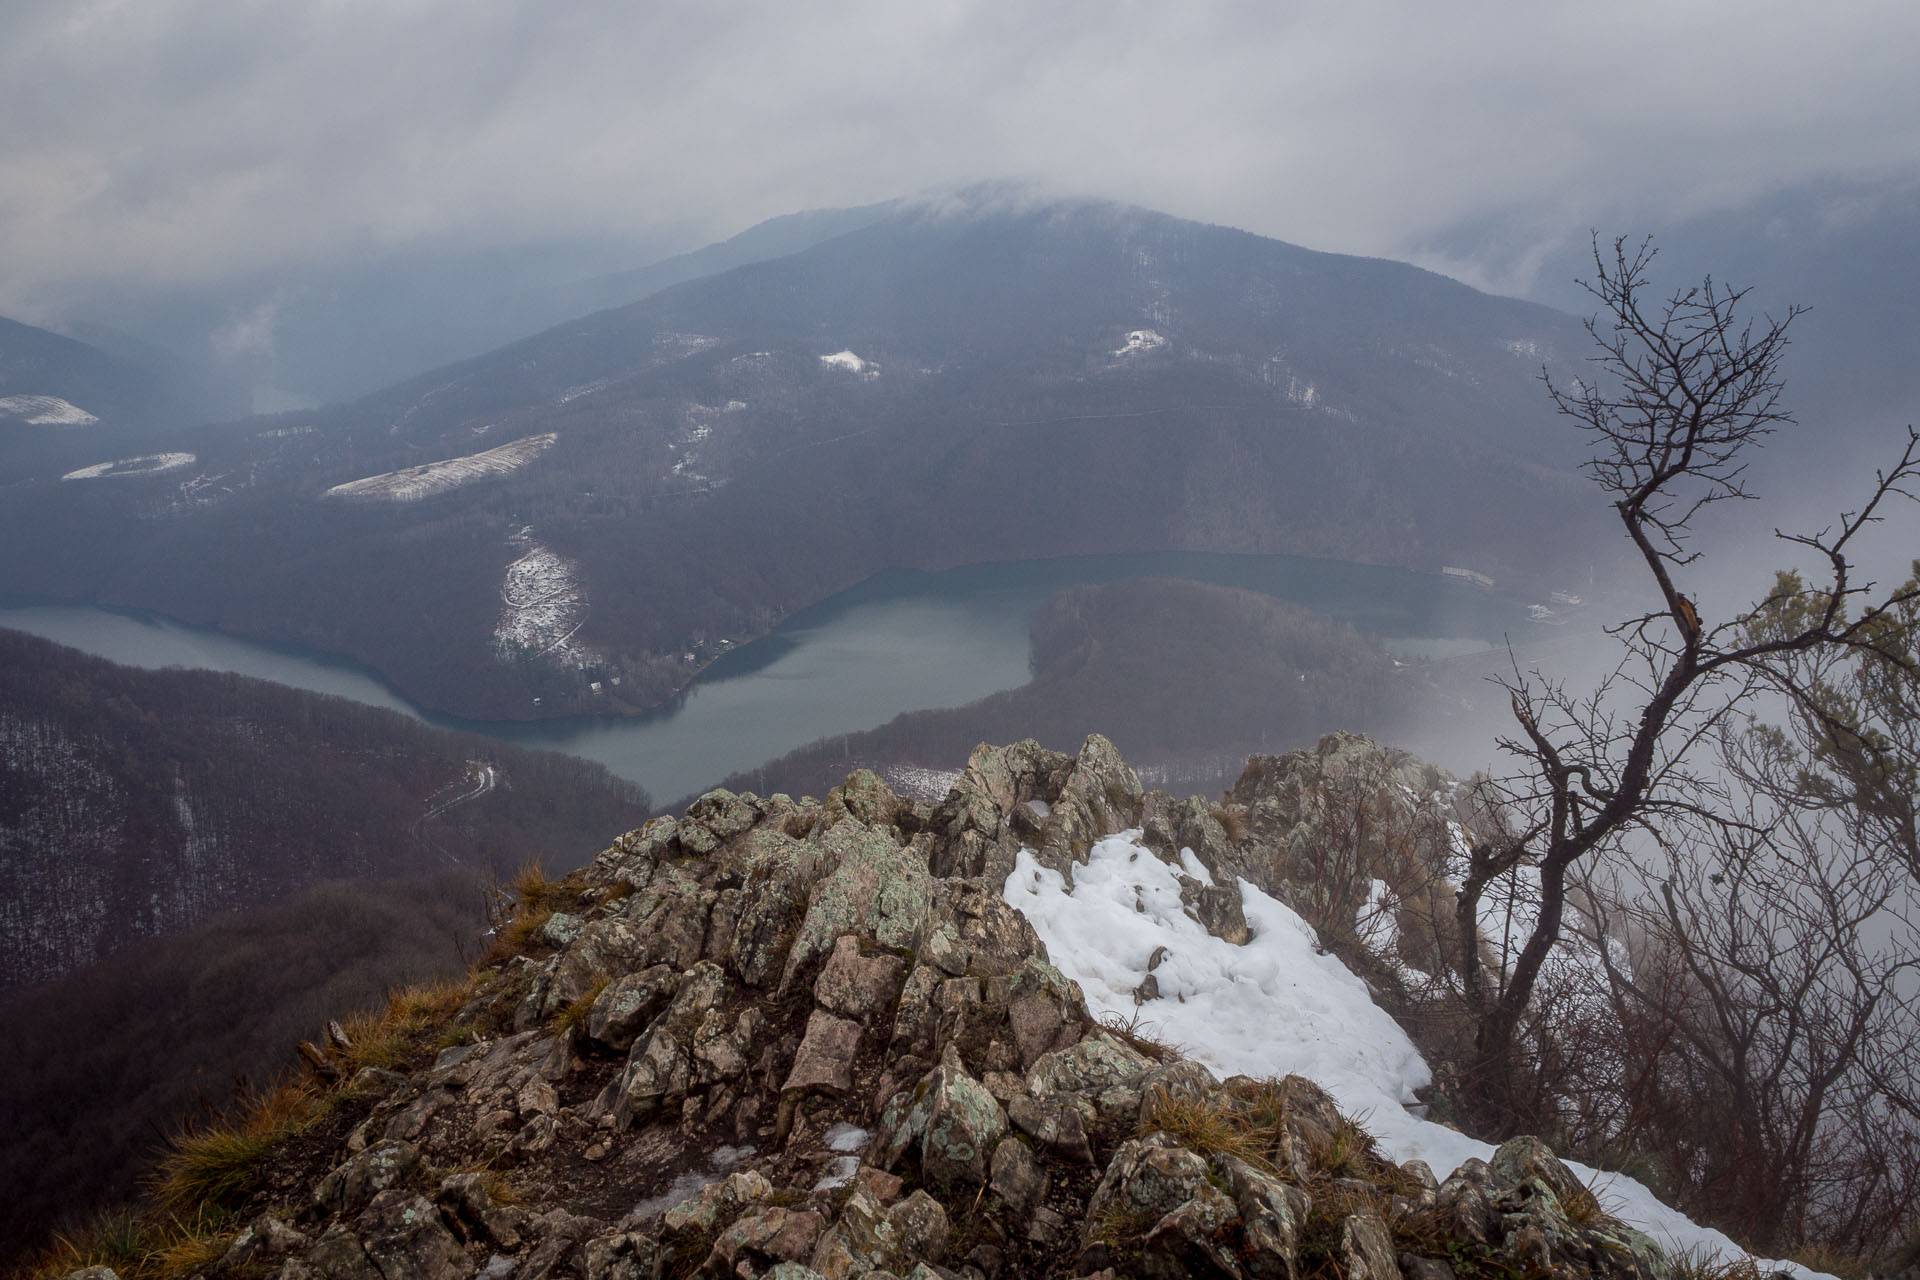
x=137, y=803
x=944, y=385
x=47, y=380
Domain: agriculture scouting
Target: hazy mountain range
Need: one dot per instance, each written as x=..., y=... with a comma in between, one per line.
x=606, y=502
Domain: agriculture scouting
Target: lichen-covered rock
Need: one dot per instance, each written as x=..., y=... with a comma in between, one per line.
x=716, y=1203
x=1272, y=1214
x=1366, y=1249
x=1519, y=1159
x=714, y=817
x=629, y=1004
x=964, y=1124
x=760, y=1240
x=1016, y=1176
x=825, y=1058
x=1147, y=1178
x=403, y=1235
x=385, y=1164
x=876, y=890
x=1194, y=1240
x=1098, y=1062
x=857, y=986
x=626, y=1255
x=1056, y=1129
x=661, y=1066
x=869, y=1237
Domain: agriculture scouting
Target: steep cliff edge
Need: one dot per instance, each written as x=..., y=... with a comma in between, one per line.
x=780, y=1038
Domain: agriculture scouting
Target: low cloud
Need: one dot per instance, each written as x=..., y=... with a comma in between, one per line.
x=171, y=140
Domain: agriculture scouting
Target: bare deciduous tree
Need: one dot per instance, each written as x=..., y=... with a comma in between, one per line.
x=1678, y=396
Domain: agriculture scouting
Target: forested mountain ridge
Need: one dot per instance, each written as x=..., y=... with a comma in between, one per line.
x=576, y=522
x=138, y=803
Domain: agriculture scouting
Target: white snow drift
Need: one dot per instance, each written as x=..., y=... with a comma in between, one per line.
x=1275, y=1006
x=411, y=484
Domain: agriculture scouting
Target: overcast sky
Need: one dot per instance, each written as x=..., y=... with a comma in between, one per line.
x=158, y=141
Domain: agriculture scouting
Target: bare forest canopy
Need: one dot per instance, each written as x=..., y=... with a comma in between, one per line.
x=138, y=803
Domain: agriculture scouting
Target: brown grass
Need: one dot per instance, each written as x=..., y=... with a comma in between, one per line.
x=574, y=1017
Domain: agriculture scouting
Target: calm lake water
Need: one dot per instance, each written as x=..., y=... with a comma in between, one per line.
x=900, y=641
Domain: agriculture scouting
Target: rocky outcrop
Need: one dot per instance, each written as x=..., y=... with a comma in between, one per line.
x=810, y=1039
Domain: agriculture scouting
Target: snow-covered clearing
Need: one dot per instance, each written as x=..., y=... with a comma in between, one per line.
x=45, y=411
x=1276, y=1005
x=851, y=363
x=411, y=484
x=1139, y=341
x=145, y=465
x=542, y=606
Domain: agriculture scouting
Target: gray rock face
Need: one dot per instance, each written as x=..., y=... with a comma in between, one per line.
x=963, y=1127
x=404, y=1237
x=353, y=1184
x=856, y=986
x=825, y=1059
x=661, y=1066
x=733, y=1105
x=629, y=1005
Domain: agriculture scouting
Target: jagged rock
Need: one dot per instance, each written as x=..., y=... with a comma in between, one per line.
x=715, y=1203
x=660, y=1066
x=720, y=1044
x=1192, y=1240
x=625, y=1255
x=857, y=986
x=264, y=1240
x=669, y=920
x=1147, y=1178
x=1101, y=796
x=825, y=1058
x=1095, y=1063
x=1016, y=1177
x=913, y=1022
x=876, y=890
x=629, y=1004
x=463, y=1200
x=382, y=1165
x=1272, y=1214
x=868, y=1237
x=561, y=929
x=1366, y=1249
x=865, y=799
x=963, y=1126
x=761, y=1239
x=1055, y=1129
x=779, y=872
x=339, y=1255
x=714, y=817
x=404, y=1237
x=1414, y=1268
x=1527, y=1157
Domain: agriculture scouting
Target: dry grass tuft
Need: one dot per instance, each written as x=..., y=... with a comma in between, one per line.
x=573, y=1018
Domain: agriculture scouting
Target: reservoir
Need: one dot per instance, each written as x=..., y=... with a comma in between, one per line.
x=903, y=640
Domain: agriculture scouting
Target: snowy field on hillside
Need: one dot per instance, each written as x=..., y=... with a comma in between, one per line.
x=1275, y=1006
x=145, y=465
x=411, y=484
x=542, y=606
x=45, y=411
x=848, y=362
